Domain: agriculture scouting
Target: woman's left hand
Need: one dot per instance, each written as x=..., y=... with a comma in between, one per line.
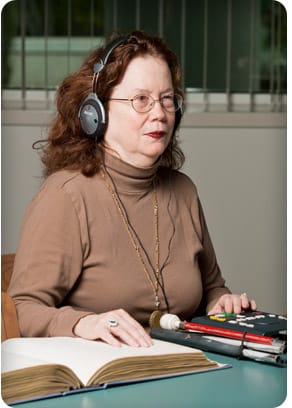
x=231, y=303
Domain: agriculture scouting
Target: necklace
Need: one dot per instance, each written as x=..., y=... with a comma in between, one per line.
x=156, y=314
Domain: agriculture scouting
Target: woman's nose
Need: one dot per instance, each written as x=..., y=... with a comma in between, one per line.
x=157, y=108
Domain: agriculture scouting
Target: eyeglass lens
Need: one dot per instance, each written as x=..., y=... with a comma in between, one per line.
x=144, y=103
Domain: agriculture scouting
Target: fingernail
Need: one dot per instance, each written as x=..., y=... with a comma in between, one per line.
x=145, y=344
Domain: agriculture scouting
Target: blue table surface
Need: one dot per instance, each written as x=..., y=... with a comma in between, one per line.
x=247, y=384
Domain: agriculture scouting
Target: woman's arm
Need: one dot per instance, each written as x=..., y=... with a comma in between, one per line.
x=47, y=265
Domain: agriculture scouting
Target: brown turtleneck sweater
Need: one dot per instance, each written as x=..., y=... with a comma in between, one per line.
x=75, y=256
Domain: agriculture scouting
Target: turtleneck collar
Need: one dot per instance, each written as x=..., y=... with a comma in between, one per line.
x=128, y=178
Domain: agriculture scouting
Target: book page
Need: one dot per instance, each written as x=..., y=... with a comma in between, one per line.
x=13, y=361
x=84, y=357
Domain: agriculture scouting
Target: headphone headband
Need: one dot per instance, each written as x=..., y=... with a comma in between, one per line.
x=106, y=53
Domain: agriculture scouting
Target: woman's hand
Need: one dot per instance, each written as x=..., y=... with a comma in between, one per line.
x=232, y=303
x=114, y=327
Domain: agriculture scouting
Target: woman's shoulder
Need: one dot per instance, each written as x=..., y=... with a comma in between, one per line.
x=64, y=185
x=67, y=180
x=178, y=179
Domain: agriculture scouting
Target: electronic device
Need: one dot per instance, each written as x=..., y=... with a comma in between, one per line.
x=92, y=114
x=254, y=322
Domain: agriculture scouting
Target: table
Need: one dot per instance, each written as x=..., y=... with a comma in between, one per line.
x=247, y=384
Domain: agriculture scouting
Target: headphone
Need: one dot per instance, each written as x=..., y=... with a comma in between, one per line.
x=92, y=114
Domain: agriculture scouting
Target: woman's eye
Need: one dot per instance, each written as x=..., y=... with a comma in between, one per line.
x=142, y=98
x=168, y=98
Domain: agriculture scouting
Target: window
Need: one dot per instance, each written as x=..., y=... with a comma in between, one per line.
x=225, y=46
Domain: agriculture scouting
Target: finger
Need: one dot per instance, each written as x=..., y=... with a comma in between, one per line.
x=244, y=301
x=134, y=329
x=229, y=304
x=253, y=305
x=115, y=330
x=237, y=304
x=125, y=335
x=143, y=339
x=220, y=306
x=107, y=337
x=232, y=304
x=217, y=308
x=128, y=329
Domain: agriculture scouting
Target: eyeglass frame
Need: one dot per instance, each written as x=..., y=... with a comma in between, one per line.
x=151, y=106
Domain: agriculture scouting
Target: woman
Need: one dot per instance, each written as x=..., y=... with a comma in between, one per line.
x=116, y=235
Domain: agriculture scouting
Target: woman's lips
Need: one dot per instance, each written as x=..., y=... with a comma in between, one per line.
x=158, y=134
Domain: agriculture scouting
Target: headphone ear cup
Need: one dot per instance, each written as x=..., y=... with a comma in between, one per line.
x=92, y=117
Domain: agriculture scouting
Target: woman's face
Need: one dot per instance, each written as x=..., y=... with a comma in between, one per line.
x=140, y=138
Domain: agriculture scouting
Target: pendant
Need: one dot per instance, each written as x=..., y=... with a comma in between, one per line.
x=157, y=302
x=154, y=319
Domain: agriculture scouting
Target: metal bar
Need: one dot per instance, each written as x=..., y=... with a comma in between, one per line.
x=183, y=40
x=115, y=15
x=23, y=56
x=251, y=55
x=46, y=55
x=228, y=54
x=69, y=32
x=160, y=18
x=138, y=14
x=91, y=19
x=205, y=57
x=272, y=57
x=279, y=26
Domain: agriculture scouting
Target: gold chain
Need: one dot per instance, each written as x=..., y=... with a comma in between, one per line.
x=155, y=286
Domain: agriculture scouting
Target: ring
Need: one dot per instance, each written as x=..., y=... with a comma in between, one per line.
x=243, y=294
x=112, y=322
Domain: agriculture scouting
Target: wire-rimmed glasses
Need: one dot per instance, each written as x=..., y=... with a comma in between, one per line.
x=144, y=103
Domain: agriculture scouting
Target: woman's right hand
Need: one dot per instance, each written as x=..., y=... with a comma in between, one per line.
x=114, y=327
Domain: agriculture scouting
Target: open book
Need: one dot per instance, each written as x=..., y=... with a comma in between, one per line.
x=40, y=367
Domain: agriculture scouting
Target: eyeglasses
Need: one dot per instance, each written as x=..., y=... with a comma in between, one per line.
x=144, y=103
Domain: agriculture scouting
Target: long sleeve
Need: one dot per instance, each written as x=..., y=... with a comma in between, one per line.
x=47, y=265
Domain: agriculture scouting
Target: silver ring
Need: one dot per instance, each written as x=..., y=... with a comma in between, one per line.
x=243, y=294
x=112, y=322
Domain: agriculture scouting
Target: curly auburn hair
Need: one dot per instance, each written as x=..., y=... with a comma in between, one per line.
x=66, y=146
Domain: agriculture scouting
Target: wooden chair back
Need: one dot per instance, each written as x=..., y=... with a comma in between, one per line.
x=9, y=321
